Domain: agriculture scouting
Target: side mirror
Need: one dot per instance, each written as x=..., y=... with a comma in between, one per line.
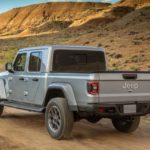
x=9, y=67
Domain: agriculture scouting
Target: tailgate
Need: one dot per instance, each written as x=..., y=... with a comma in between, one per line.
x=124, y=87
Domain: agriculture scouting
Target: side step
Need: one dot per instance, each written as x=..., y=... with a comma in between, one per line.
x=23, y=106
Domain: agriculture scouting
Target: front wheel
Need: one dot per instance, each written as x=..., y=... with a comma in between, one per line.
x=1, y=110
x=126, y=124
x=58, y=118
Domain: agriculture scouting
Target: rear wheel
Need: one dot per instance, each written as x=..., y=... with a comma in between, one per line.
x=126, y=124
x=58, y=118
x=1, y=110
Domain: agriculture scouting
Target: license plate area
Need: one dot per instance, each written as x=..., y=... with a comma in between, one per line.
x=129, y=109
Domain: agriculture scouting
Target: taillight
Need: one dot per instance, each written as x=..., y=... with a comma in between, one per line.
x=93, y=87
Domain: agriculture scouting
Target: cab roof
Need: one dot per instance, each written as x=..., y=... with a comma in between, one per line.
x=62, y=47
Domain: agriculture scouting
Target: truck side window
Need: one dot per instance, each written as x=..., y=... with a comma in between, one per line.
x=20, y=62
x=35, y=61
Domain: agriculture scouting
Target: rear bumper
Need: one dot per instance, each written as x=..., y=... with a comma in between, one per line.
x=116, y=109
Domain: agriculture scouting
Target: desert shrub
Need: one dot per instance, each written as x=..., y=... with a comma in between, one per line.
x=85, y=43
x=99, y=45
x=126, y=61
x=134, y=68
x=145, y=11
x=115, y=55
x=120, y=11
x=136, y=58
x=137, y=42
x=133, y=33
x=147, y=37
x=51, y=25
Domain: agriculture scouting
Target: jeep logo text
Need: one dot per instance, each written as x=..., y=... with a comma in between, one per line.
x=130, y=86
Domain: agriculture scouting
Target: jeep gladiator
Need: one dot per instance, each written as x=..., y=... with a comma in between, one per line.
x=69, y=83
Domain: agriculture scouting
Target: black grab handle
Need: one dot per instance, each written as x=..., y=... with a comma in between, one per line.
x=129, y=76
x=21, y=78
x=35, y=79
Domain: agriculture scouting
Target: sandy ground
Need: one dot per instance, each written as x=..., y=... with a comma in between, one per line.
x=21, y=130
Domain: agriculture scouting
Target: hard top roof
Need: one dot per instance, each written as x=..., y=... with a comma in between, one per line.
x=62, y=47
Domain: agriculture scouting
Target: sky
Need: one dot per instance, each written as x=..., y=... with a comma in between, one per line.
x=6, y=5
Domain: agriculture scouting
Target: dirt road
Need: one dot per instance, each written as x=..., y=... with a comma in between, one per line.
x=21, y=130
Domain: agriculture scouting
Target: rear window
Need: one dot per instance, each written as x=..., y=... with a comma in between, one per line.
x=78, y=61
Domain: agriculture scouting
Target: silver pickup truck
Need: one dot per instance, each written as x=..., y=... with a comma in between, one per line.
x=69, y=83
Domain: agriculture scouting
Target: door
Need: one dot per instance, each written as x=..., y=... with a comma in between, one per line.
x=16, y=80
x=34, y=77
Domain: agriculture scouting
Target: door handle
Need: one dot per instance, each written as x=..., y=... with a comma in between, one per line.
x=35, y=79
x=21, y=78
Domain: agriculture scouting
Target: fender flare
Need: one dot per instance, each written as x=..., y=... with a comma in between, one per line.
x=68, y=93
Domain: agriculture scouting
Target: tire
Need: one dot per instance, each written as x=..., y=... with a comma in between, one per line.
x=1, y=110
x=59, y=119
x=126, y=124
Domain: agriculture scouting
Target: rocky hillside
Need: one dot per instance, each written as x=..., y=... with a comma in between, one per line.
x=45, y=17
x=133, y=3
x=123, y=29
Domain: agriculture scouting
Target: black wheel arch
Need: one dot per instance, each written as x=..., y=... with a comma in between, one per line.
x=60, y=91
x=53, y=93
